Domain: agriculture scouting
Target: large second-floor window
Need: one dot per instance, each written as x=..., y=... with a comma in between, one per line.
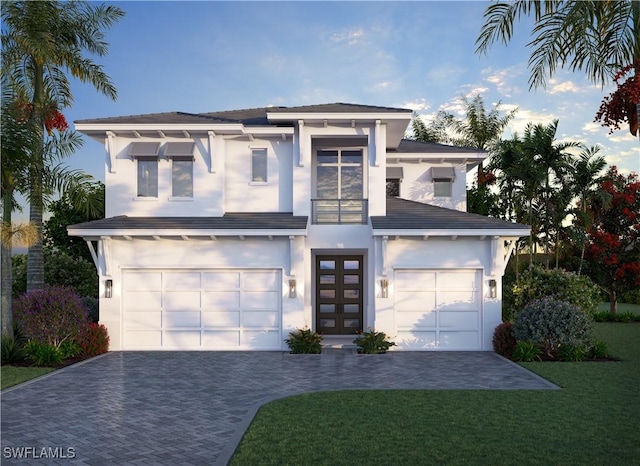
x=339, y=187
x=182, y=177
x=340, y=174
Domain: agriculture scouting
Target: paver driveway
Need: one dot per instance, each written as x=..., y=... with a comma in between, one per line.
x=193, y=407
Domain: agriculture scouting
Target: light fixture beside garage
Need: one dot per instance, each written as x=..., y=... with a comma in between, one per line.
x=384, y=285
x=493, y=289
x=292, y=288
x=108, y=288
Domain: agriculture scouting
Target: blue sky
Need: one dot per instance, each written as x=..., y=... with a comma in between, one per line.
x=209, y=56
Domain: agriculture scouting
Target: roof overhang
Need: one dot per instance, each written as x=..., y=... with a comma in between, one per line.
x=98, y=131
x=453, y=233
x=184, y=234
x=468, y=158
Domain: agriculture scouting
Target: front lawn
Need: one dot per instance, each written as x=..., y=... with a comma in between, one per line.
x=592, y=420
x=10, y=375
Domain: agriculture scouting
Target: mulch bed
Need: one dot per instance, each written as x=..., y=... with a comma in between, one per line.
x=65, y=363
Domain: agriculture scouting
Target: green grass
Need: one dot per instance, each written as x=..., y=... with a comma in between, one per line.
x=622, y=307
x=10, y=376
x=592, y=420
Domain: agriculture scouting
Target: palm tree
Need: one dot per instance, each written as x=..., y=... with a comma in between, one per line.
x=585, y=180
x=597, y=37
x=554, y=162
x=42, y=42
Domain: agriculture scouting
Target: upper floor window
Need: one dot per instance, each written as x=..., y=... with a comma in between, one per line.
x=181, y=155
x=443, y=181
x=146, y=157
x=394, y=175
x=339, y=174
x=147, y=177
x=259, y=165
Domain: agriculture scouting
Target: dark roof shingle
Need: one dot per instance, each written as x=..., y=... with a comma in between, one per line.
x=410, y=215
x=230, y=221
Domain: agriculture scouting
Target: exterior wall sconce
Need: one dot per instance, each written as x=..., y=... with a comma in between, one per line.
x=108, y=288
x=493, y=289
x=384, y=284
x=292, y=289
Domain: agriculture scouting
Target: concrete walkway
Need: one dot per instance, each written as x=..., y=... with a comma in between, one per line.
x=193, y=407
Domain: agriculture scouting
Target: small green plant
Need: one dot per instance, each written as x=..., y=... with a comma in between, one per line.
x=69, y=349
x=526, y=351
x=42, y=354
x=304, y=341
x=372, y=342
x=571, y=353
x=11, y=350
x=598, y=350
x=504, y=341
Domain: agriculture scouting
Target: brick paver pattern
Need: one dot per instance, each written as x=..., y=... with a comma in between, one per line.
x=193, y=407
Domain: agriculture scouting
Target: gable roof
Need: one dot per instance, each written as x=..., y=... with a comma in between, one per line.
x=247, y=117
x=410, y=215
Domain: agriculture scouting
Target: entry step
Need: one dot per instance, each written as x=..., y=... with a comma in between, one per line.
x=339, y=342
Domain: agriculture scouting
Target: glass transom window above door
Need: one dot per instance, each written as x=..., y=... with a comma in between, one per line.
x=340, y=186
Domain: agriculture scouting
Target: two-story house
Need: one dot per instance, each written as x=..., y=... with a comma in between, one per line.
x=227, y=230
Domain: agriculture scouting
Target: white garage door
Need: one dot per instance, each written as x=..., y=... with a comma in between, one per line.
x=438, y=309
x=202, y=309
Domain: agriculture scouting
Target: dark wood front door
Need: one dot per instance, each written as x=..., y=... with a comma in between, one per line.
x=339, y=294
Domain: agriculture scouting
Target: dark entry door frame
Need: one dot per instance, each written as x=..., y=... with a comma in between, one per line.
x=339, y=292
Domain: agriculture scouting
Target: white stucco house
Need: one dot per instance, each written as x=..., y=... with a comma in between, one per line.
x=228, y=230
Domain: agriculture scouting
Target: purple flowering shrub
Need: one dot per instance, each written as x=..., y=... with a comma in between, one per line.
x=51, y=315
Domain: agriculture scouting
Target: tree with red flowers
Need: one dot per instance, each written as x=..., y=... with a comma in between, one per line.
x=614, y=238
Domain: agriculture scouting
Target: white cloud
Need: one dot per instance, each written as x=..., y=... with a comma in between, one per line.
x=564, y=87
x=503, y=79
x=591, y=127
x=418, y=105
x=622, y=136
x=350, y=37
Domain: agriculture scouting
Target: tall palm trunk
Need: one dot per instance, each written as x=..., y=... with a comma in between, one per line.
x=35, y=253
x=5, y=268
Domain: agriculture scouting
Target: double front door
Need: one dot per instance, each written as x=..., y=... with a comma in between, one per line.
x=339, y=293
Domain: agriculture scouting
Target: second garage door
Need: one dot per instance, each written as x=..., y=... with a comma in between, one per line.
x=202, y=309
x=438, y=309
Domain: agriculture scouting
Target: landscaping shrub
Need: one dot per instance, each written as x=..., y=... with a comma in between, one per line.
x=372, y=342
x=42, y=354
x=504, y=341
x=94, y=339
x=598, y=350
x=51, y=315
x=60, y=269
x=93, y=305
x=551, y=323
x=69, y=349
x=606, y=316
x=571, y=353
x=11, y=350
x=538, y=282
x=526, y=351
x=304, y=341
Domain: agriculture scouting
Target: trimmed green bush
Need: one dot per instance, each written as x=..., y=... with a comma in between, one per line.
x=372, y=342
x=598, y=350
x=304, y=341
x=571, y=353
x=551, y=323
x=11, y=350
x=42, y=354
x=538, y=282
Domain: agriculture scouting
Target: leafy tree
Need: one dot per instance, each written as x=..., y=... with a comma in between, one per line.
x=64, y=213
x=614, y=237
x=42, y=42
x=597, y=37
